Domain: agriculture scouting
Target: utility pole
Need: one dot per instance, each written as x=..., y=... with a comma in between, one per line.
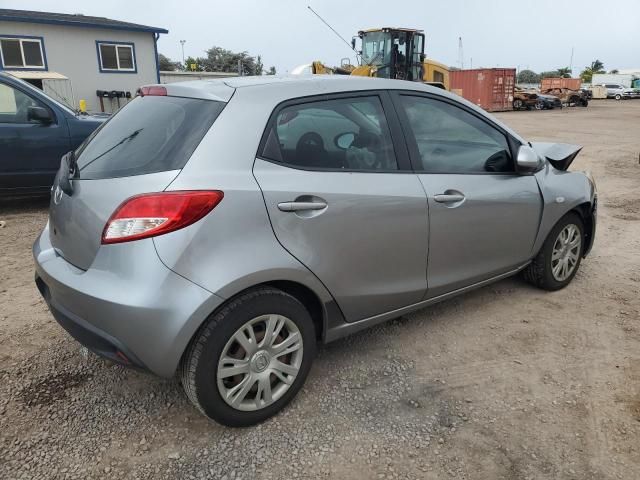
x=460, y=53
x=182, y=42
x=571, y=62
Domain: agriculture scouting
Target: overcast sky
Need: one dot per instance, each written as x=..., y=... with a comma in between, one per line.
x=530, y=34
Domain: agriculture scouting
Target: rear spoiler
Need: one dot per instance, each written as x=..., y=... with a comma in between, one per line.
x=560, y=155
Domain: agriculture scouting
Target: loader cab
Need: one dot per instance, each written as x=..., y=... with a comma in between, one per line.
x=395, y=53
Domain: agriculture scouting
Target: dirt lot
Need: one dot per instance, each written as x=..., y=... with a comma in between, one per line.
x=507, y=382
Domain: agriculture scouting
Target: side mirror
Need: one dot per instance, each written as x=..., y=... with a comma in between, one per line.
x=39, y=114
x=528, y=159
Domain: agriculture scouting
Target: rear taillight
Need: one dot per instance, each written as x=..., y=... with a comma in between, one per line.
x=153, y=214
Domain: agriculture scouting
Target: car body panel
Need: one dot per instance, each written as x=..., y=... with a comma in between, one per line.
x=562, y=192
x=130, y=295
x=368, y=246
x=77, y=221
x=491, y=232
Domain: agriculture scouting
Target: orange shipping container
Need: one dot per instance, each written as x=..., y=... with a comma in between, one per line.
x=489, y=88
x=572, y=83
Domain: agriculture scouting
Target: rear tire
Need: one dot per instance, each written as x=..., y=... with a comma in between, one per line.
x=618, y=96
x=546, y=270
x=239, y=337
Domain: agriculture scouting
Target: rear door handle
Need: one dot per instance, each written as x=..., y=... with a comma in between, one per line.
x=301, y=206
x=448, y=197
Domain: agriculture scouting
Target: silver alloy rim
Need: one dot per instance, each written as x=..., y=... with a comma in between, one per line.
x=566, y=252
x=260, y=362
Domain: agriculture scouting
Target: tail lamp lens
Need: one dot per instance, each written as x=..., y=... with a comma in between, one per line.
x=153, y=91
x=153, y=214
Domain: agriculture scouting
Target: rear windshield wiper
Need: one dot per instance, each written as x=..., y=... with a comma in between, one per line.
x=131, y=136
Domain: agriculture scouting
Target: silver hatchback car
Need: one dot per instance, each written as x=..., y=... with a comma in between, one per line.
x=220, y=229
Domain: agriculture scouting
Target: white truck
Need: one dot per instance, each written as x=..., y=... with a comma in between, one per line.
x=626, y=80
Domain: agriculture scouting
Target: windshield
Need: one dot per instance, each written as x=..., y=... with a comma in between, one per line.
x=150, y=134
x=376, y=48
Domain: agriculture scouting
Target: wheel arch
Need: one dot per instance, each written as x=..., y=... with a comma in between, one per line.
x=311, y=300
x=585, y=212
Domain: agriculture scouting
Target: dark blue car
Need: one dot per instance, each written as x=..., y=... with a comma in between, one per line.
x=35, y=132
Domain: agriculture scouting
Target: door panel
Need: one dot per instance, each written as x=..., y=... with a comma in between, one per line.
x=483, y=217
x=368, y=245
x=31, y=151
x=491, y=231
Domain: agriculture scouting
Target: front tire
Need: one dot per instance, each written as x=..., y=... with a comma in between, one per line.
x=559, y=258
x=250, y=359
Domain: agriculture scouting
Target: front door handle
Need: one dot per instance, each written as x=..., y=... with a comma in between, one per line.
x=301, y=206
x=448, y=197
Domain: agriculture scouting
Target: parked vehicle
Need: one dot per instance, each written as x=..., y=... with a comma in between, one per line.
x=625, y=80
x=523, y=99
x=548, y=102
x=587, y=92
x=178, y=241
x=619, y=92
x=569, y=97
x=35, y=132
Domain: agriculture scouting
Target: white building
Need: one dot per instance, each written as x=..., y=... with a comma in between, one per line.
x=74, y=57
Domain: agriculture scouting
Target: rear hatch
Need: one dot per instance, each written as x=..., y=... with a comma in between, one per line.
x=141, y=149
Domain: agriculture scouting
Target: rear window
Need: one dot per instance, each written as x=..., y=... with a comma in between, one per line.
x=150, y=134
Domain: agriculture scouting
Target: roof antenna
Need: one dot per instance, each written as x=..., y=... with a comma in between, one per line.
x=333, y=30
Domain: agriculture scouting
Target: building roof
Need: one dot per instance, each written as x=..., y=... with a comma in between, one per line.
x=36, y=75
x=74, y=20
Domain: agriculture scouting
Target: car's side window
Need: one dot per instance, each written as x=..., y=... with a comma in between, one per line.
x=452, y=140
x=14, y=105
x=345, y=133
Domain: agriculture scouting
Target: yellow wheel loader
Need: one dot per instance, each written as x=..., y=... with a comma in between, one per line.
x=391, y=53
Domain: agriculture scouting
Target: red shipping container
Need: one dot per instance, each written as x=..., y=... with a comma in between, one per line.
x=489, y=88
x=552, y=82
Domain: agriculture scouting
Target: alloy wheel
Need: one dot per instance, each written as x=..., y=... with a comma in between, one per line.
x=260, y=362
x=566, y=252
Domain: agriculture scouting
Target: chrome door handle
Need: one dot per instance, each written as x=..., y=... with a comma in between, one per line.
x=301, y=206
x=448, y=197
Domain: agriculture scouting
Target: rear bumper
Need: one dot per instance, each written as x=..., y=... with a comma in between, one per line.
x=99, y=342
x=127, y=306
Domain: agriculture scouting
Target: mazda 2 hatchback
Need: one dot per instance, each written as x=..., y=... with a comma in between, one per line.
x=220, y=229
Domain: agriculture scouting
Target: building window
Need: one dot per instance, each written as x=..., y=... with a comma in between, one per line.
x=22, y=53
x=116, y=57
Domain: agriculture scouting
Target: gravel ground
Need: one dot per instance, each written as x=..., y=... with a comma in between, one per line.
x=507, y=382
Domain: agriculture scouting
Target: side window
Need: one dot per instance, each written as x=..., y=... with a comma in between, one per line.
x=350, y=134
x=451, y=140
x=14, y=105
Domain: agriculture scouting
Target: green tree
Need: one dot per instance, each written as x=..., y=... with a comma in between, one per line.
x=222, y=60
x=193, y=65
x=564, y=72
x=528, y=76
x=165, y=64
x=271, y=71
x=550, y=74
x=614, y=71
x=596, y=67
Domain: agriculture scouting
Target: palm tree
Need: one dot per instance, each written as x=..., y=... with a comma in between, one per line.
x=564, y=72
x=596, y=67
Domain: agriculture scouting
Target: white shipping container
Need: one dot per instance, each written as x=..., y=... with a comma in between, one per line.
x=618, y=78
